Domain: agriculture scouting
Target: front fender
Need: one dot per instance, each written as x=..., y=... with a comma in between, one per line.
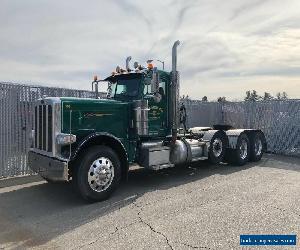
x=96, y=137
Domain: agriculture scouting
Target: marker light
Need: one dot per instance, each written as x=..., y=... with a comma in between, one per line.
x=150, y=66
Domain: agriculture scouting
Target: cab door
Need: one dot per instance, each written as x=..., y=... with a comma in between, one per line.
x=158, y=111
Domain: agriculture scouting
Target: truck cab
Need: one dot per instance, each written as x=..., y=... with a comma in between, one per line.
x=138, y=85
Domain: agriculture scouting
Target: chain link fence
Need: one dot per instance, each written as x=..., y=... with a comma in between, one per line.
x=202, y=114
x=279, y=120
x=16, y=122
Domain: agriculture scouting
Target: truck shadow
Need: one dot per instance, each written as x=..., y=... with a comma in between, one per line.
x=34, y=215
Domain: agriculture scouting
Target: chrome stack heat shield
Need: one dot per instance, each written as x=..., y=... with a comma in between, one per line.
x=141, y=110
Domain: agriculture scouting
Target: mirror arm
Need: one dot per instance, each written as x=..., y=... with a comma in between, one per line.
x=155, y=81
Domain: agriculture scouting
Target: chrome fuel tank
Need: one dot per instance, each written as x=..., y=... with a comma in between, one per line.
x=187, y=150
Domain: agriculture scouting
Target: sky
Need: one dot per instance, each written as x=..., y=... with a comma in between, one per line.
x=227, y=47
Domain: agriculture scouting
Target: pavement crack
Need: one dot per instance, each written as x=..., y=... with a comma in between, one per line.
x=160, y=233
x=151, y=227
x=157, y=232
x=99, y=240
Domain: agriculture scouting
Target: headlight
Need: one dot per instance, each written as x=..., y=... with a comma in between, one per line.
x=65, y=139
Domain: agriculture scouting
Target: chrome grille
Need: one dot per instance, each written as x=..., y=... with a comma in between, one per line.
x=43, y=127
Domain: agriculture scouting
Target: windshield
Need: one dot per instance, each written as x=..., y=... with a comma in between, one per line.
x=127, y=88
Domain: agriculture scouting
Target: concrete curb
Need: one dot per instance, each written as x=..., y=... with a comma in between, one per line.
x=19, y=180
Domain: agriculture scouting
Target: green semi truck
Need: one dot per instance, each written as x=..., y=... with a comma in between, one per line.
x=93, y=142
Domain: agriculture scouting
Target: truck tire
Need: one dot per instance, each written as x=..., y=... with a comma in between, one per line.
x=98, y=173
x=256, y=146
x=240, y=155
x=217, y=147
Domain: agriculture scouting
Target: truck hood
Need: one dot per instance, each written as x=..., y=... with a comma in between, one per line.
x=91, y=100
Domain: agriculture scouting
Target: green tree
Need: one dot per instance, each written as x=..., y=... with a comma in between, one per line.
x=284, y=96
x=252, y=96
x=267, y=96
x=278, y=96
x=221, y=99
x=248, y=95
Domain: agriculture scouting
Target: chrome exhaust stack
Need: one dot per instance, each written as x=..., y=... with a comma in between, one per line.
x=174, y=102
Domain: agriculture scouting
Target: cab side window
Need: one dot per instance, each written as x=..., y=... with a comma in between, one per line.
x=162, y=89
x=147, y=86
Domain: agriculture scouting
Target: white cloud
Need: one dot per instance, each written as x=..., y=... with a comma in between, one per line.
x=227, y=47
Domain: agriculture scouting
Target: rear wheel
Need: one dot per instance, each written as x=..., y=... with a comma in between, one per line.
x=217, y=147
x=256, y=147
x=240, y=155
x=98, y=173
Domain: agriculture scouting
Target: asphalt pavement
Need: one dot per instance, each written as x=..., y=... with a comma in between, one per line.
x=203, y=206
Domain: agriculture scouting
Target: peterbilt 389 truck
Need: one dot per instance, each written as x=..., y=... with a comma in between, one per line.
x=93, y=142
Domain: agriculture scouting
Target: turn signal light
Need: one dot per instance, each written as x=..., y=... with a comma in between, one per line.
x=65, y=139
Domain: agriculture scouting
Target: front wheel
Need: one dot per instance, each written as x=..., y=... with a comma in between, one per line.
x=98, y=173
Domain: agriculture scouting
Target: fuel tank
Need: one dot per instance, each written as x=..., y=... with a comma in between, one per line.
x=188, y=150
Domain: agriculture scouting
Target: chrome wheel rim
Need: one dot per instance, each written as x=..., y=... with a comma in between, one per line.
x=217, y=147
x=101, y=174
x=258, y=147
x=243, y=149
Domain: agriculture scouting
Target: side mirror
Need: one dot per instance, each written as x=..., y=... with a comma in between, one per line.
x=155, y=97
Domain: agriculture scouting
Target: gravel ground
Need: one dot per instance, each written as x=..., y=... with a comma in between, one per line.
x=204, y=206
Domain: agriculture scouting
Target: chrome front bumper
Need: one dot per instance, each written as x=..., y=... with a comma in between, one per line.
x=47, y=167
